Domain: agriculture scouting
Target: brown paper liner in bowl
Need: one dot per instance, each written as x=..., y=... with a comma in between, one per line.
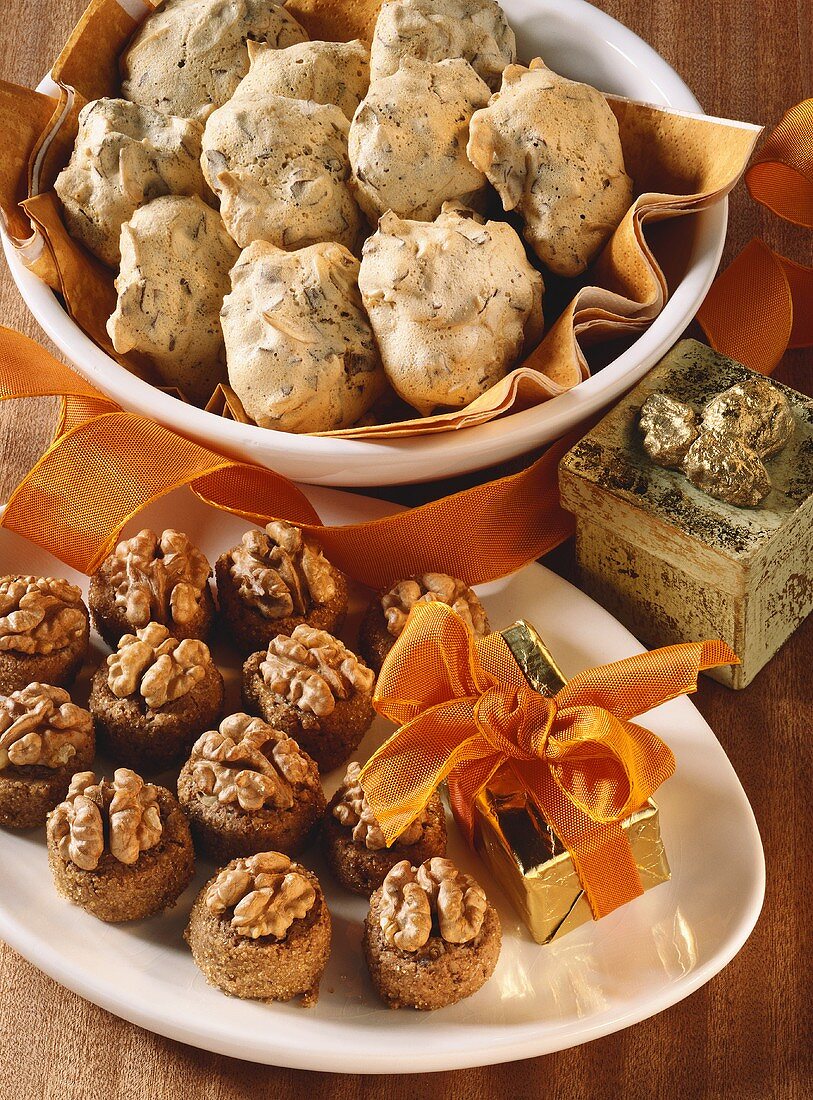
x=681, y=164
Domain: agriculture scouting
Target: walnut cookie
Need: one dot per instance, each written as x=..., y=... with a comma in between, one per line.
x=124, y=156
x=159, y=578
x=188, y=56
x=260, y=929
x=248, y=788
x=388, y=612
x=354, y=845
x=154, y=695
x=432, y=30
x=454, y=304
x=551, y=148
x=430, y=938
x=44, y=739
x=314, y=688
x=120, y=850
x=273, y=581
x=44, y=629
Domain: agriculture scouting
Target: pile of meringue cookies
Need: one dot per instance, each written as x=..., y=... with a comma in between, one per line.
x=245, y=170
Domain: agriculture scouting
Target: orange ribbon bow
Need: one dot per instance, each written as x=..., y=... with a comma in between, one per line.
x=466, y=710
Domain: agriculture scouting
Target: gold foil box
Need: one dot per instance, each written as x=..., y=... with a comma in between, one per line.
x=522, y=852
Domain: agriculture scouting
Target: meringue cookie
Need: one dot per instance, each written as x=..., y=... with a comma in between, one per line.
x=188, y=56
x=280, y=169
x=175, y=263
x=551, y=148
x=452, y=303
x=433, y=30
x=300, y=351
x=125, y=155
x=408, y=140
x=324, y=72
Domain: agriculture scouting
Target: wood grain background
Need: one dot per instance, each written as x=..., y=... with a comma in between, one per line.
x=744, y=1036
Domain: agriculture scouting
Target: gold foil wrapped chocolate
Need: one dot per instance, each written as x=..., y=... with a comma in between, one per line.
x=725, y=468
x=528, y=860
x=753, y=411
x=722, y=455
x=669, y=428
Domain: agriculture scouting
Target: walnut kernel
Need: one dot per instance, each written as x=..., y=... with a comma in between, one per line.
x=128, y=805
x=414, y=898
x=280, y=572
x=266, y=893
x=39, y=725
x=39, y=614
x=354, y=812
x=249, y=763
x=157, y=666
x=312, y=670
x=427, y=588
x=158, y=578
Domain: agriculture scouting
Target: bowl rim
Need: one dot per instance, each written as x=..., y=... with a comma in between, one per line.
x=370, y=462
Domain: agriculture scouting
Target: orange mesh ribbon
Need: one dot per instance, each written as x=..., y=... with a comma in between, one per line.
x=105, y=465
x=466, y=710
x=762, y=304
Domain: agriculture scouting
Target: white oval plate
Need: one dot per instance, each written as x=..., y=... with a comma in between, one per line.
x=575, y=39
x=596, y=980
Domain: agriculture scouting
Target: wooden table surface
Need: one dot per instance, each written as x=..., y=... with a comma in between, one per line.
x=747, y=1034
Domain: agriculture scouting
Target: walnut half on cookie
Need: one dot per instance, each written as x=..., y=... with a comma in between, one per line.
x=44, y=629
x=430, y=938
x=154, y=696
x=274, y=580
x=247, y=788
x=260, y=929
x=386, y=616
x=355, y=848
x=314, y=688
x=120, y=850
x=159, y=578
x=44, y=739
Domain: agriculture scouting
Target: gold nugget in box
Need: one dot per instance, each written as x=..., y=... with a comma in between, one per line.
x=522, y=852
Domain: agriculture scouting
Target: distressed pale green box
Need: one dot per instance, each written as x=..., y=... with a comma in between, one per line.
x=676, y=565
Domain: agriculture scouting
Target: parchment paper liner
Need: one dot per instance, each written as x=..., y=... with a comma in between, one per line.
x=681, y=163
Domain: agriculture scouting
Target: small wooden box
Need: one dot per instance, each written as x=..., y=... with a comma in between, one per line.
x=676, y=565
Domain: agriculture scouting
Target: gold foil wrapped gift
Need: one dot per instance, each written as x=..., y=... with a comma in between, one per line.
x=534, y=764
x=520, y=849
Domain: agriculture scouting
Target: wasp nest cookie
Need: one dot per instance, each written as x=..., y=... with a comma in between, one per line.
x=299, y=347
x=260, y=929
x=436, y=29
x=188, y=56
x=314, y=688
x=323, y=72
x=248, y=787
x=551, y=148
x=280, y=169
x=153, y=578
x=274, y=580
x=44, y=629
x=355, y=848
x=175, y=263
x=154, y=695
x=124, y=156
x=452, y=303
x=121, y=850
x=44, y=739
x=408, y=140
x=387, y=613
x=430, y=938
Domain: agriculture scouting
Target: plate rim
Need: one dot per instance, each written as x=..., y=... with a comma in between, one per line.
x=522, y=1042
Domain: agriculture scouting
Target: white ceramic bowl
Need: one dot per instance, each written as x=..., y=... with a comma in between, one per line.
x=577, y=40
